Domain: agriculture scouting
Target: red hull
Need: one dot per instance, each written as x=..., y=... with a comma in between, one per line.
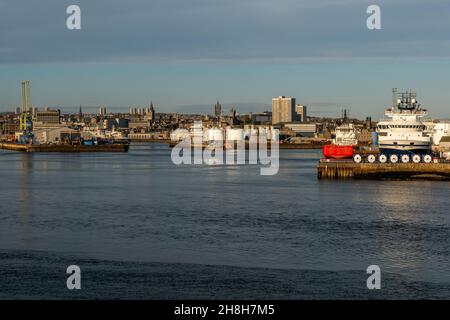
x=337, y=152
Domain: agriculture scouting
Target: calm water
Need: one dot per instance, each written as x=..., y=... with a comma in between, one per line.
x=140, y=227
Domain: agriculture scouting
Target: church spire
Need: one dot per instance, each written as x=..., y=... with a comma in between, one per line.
x=80, y=114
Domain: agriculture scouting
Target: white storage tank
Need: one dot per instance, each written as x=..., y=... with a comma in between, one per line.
x=274, y=134
x=235, y=134
x=251, y=132
x=179, y=135
x=215, y=134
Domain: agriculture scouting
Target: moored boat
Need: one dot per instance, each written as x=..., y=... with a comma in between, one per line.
x=343, y=143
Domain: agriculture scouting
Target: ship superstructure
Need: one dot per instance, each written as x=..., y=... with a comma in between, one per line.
x=345, y=135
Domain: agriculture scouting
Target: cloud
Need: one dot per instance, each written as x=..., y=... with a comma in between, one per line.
x=221, y=31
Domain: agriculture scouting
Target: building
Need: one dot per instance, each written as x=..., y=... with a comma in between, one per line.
x=217, y=109
x=301, y=112
x=9, y=127
x=47, y=118
x=440, y=130
x=57, y=135
x=148, y=136
x=102, y=111
x=283, y=110
x=150, y=112
x=80, y=115
x=302, y=129
x=122, y=123
x=136, y=124
x=444, y=143
x=262, y=118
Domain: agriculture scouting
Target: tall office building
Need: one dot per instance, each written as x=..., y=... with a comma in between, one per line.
x=302, y=115
x=283, y=109
x=102, y=111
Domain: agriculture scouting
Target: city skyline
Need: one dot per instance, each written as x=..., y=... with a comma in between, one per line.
x=184, y=54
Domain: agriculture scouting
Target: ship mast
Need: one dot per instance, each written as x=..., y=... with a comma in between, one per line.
x=394, y=97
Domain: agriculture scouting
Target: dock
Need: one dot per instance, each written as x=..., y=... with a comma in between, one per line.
x=341, y=170
x=116, y=147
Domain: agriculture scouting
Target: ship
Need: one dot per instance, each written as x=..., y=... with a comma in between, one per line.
x=343, y=144
x=404, y=133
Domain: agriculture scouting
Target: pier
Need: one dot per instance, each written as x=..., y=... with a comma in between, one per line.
x=383, y=171
x=64, y=147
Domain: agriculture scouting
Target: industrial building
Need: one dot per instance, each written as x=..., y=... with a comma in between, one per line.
x=56, y=135
x=302, y=129
x=47, y=118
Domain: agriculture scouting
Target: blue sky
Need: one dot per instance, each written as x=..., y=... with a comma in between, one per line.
x=190, y=52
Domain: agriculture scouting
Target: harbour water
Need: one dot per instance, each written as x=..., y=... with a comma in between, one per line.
x=141, y=227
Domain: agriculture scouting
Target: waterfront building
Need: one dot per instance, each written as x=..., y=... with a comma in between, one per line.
x=56, y=135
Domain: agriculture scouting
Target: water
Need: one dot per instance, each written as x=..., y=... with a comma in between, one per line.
x=141, y=227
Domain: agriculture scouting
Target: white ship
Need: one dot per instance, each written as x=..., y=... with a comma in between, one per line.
x=404, y=133
x=345, y=135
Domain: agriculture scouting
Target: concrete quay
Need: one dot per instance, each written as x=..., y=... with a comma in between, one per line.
x=383, y=171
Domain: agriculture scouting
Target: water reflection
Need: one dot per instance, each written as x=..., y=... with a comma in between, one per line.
x=25, y=199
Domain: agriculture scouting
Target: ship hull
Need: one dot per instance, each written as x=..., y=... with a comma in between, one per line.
x=337, y=152
x=400, y=149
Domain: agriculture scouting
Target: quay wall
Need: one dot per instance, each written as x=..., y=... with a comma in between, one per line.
x=401, y=171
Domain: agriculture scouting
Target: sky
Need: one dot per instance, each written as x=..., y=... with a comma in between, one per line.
x=186, y=54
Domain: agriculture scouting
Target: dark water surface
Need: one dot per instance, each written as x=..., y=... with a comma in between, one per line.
x=140, y=227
